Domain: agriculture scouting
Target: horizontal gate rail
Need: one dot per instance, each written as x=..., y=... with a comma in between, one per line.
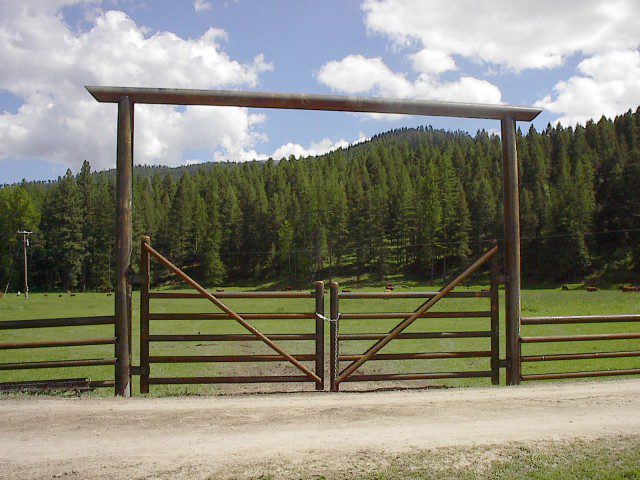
x=398, y=333
x=56, y=384
x=420, y=356
x=229, y=337
x=247, y=358
x=413, y=335
x=559, y=357
x=241, y=379
x=388, y=295
x=284, y=294
x=418, y=376
x=57, y=322
x=224, y=316
x=146, y=338
x=391, y=316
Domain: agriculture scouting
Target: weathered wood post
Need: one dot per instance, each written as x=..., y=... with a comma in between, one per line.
x=333, y=336
x=145, y=281
x=320, y=334
x=511, y=202
x=124, y=200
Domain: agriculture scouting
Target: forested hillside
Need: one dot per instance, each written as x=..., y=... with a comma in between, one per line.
x=417, y=202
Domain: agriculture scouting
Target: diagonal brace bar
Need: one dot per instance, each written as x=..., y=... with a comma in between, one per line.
x=376, y=347
x=191, y=282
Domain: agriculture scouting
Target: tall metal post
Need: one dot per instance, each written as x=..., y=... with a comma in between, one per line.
x=124, y=201
x=511, y=202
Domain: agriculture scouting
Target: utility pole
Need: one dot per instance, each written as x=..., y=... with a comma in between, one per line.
x=25, y=243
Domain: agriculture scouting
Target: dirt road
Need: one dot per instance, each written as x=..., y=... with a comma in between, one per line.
x=246, y=436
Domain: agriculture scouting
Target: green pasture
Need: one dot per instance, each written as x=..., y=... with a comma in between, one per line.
x=534, y=303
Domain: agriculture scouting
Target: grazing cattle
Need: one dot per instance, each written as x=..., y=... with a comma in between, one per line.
x=220, y=290
x=592, y=289
x=109, y=294
x=629, y=288
x=565, y=288
x=346, y=290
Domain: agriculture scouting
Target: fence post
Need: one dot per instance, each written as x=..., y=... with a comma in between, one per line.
x=333, y=334
x=124, y=199
x=320, y=334
x=145, y=281
x=495, y=320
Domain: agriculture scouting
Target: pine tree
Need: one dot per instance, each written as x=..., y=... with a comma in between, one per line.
x=62, y=230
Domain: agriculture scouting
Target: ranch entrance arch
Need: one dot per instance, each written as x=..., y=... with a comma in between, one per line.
x=126, y=98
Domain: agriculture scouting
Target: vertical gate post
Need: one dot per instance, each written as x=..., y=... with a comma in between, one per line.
x=495, y=320
x=124, y=200
x=511, y=202
x=145, y=281
x=333, y=335
x=320, y=334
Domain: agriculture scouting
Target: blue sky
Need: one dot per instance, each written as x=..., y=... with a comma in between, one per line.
x=577, y=60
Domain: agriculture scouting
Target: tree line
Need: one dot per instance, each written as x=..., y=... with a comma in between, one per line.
x=414, y=202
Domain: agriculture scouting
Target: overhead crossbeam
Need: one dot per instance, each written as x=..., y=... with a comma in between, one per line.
x=301, y=101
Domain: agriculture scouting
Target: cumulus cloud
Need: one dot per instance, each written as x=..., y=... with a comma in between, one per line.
x=58, y=120
x=201, y=6
x=321, y=147
x=356, y=74
x=432, y=61
x=515, y=35
x=609, y=85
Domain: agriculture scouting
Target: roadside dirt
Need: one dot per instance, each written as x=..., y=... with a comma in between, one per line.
x=249, y=436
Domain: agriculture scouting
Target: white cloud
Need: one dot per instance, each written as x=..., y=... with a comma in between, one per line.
x=321, y=147
x=201, y=6
x=513, y=34
x=609, y=85
x=356, y=74
x=60, y=122
x=432, y=61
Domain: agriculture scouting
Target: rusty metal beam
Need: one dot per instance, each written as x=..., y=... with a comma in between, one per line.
x=298, y=101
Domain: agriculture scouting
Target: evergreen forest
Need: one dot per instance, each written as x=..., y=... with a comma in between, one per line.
x=417, y=203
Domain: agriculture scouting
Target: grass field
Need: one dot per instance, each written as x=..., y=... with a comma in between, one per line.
x=534, y=303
